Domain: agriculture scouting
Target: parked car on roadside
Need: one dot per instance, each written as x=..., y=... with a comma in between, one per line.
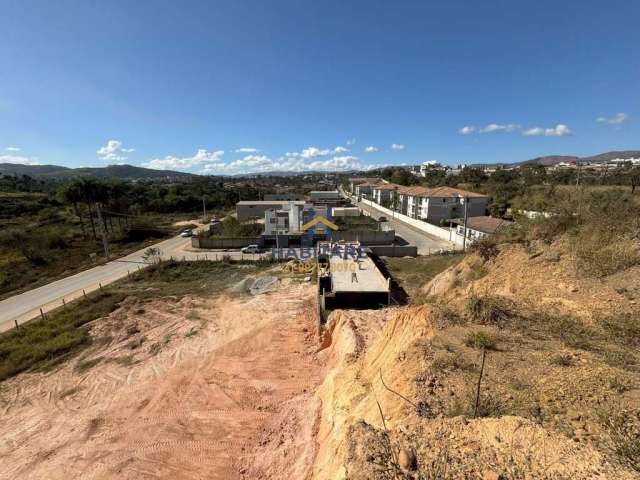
x=251, y=249
x=187, y=233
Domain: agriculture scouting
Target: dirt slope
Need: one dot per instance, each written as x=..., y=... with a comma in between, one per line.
x=184, y=390
x=541, y=414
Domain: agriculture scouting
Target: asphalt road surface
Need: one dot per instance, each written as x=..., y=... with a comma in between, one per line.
x=27, y=305
x=426, y=243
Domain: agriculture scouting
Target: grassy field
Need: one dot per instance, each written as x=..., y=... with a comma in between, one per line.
x=42, y=241
x=412, y=273
x=41, y=344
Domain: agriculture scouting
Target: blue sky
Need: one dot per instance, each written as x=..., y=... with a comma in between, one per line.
x=238, y=86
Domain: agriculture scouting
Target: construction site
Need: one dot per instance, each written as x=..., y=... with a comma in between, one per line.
x=256, y=370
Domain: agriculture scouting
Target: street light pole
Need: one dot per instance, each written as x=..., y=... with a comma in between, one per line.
x=204, y=210
x=466, y=214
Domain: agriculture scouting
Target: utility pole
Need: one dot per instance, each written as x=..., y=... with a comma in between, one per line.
x=105, y=243
x=204, y=210
x=466, y=214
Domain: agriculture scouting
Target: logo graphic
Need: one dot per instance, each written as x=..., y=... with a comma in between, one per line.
x=319, y=220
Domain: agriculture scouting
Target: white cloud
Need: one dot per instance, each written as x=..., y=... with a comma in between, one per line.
x=559, y=130
x=617, y=119
x=19, y=159
x=314, y=152
x=351, y=141
x=490, y=128
x=345, y=162
x=113, y=152
x=13, y=149
x=495, y=127
x=371, y=149
x=202, y=156
x=397, y=146
x=265, y=164
x=246, y=150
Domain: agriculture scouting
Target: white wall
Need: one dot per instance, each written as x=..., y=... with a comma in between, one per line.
x=439, y=232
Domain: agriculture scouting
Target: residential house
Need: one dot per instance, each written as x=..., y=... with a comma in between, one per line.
x=478, y=227
x=444, y=203
x=327, y=198
x=365, y=189
x=353, y=182
x=408, y=198
x=385, y=193
x=251, y=209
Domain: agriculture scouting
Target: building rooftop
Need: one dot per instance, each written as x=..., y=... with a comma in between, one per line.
x=388, y=186
x=364, y=180
x=367, y=276
x=270, y=202
x=483, y=224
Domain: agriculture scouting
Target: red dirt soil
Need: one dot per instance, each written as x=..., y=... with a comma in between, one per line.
x=232, y=401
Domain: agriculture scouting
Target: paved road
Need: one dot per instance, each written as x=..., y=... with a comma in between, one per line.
x=27, y=305
x=426, y=243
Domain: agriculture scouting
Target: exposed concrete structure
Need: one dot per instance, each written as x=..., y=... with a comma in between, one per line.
x=348, y=278
x=248, y=209
x=285, y=197
x=325, y=197
x=345, y=212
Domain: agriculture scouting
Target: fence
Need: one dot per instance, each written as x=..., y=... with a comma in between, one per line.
x=365, y=237
x=394, y=250
x=215, y=243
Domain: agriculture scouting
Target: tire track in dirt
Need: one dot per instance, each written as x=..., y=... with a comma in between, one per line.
x=197, y=409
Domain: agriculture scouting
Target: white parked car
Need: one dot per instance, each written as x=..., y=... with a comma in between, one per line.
x=251, y=249
x=186, y=233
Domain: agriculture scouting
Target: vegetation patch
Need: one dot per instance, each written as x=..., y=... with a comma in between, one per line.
x=412, y=273
x=571, y=331
x=623, y=427
x=482, y=340
x=624, y=328
x=490, y=310
x=562, y=360
x=64, y=333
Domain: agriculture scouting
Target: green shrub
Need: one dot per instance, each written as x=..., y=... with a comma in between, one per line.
x=623, y=427
x=562, y=360
x=571, y=331
x=601, y=253
x=486, y=248
x=620, y=359
x=624, y=328
x=490, y=310
x=481, y=339
x=452, y=361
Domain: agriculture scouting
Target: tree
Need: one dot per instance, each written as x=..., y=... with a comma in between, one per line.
x=71, y=193
x=634, y=179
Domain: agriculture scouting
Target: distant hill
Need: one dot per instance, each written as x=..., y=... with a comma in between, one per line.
x=56, y=172
x=600, y=158
x=550, y=160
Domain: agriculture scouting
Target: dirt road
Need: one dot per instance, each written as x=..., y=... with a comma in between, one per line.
x=208, y=384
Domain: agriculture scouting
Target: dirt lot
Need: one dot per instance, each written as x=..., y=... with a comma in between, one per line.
x=179, y=389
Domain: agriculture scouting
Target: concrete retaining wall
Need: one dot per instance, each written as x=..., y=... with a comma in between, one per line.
x=365, y=238
x=438, y=232
x=213, y=243
x=395, y=250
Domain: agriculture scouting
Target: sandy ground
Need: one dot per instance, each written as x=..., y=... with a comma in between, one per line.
x=187, y=389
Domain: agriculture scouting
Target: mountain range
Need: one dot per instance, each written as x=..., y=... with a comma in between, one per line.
x=550, y=160
x=124, y=172
x=130, y=172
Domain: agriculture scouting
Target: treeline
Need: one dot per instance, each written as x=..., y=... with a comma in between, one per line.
x=525, y=187
x=110, y=201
